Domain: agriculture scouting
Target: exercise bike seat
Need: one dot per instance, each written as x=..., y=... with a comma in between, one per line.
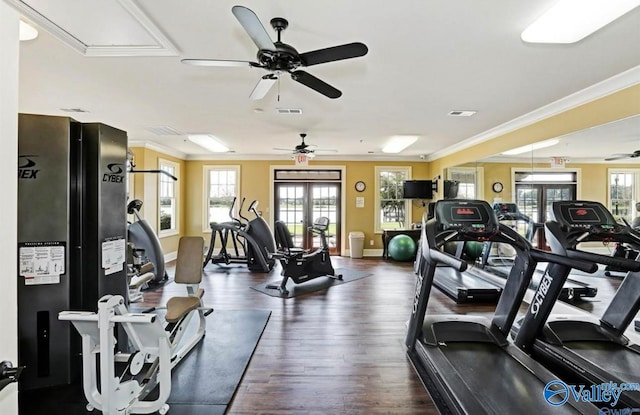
x=284, y=240
x=189, y=272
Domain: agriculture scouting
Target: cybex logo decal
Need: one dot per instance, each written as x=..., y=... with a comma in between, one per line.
x=115, y=173
x=543, y=288
x=26, y=167
x=416, y=297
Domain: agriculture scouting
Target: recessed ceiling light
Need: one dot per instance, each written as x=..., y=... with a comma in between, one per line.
x=531, y=147
x=569, y=21
x=462, y=113
x=397, y=143
x=27, y=31
x=209, y=142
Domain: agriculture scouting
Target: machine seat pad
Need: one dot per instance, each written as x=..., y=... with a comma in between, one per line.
x=138, y=281
x=177, y=307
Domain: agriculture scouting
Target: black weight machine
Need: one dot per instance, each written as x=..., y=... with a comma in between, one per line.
x=299, y=265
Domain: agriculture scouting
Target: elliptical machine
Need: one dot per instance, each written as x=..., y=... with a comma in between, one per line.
x=299, y=265
x=254, y=236
x=143, y=237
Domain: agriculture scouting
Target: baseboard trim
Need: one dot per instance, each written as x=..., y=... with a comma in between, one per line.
x=170, y=256
x=366, y=253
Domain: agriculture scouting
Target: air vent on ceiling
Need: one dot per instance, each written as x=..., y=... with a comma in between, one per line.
x=163, y=130
x=462, y=113
x=296, y=111
x=73, y=110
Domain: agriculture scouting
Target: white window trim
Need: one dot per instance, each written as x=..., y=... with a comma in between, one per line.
x=176, y=230
x=577, y=171
x=636, y=187
x=479, y=178
x=376, y=203
x=205, y=192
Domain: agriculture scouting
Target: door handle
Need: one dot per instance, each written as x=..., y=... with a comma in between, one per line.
x=8, y=373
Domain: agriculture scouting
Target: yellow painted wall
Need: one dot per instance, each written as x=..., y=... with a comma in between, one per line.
x=146, y=189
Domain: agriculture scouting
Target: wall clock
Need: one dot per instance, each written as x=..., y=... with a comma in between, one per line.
x=360, y=186
x=497, y=187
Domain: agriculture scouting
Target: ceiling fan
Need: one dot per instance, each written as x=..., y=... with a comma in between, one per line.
x=624, y=156
x=304, y=148
x=278, y=57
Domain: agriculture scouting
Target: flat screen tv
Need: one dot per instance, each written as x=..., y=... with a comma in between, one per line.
x=417, y=189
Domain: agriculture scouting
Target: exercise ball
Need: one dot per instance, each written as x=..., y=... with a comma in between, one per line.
x=473, y=249
x=402, y=248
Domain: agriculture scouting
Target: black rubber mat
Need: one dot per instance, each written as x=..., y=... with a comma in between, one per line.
x=317, y=284
x=203, y=383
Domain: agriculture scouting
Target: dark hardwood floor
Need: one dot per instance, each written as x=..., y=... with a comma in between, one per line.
x=338, y=351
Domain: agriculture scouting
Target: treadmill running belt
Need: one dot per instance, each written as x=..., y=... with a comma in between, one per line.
x=499, y=381
x=616, y=359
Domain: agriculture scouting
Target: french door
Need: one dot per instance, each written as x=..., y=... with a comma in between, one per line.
x=298, y=204
x=535, y=200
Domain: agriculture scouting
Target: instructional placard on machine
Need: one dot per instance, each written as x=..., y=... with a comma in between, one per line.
x=113, y=255
x=41, y=262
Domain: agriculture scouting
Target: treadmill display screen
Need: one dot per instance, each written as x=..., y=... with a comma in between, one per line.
x=584, y=214
x=466, y=214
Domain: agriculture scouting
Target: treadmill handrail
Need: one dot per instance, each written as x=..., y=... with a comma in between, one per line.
x=622, y=263
x=576, y=263
x=448, y=259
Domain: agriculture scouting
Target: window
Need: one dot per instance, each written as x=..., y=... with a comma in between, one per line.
x=222, y=184
x=168, y=199
x=393, y=212
x=471, y=180
x=623, y=193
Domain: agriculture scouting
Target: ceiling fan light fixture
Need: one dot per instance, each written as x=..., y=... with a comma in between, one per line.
x=397, y=143
x=569, y=21
x=530, y=147
x=208, y=142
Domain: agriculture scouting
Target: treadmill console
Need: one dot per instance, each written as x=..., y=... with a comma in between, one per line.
x=472, y=218
x=587, y=216
x=502, y=208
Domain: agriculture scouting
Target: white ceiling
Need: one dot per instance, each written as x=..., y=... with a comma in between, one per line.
x=425, y=59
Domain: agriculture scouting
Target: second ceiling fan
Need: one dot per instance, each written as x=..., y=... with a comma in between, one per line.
x=278, y=57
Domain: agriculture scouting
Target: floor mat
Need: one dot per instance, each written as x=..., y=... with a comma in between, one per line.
x=203, y=383
x=320, y=283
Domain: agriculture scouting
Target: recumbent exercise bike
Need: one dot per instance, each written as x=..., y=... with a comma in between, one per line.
x=299, y=265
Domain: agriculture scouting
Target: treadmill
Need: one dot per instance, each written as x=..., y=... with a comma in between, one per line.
x=586, y=350
x=465, y=362
x=572, y=290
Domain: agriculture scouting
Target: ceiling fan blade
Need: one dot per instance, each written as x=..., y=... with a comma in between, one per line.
x=316, y=84
x=326, y=150
x=335, y=53
x=217, y=62
x=253, y=27
x=263, y=86
x=619, y=157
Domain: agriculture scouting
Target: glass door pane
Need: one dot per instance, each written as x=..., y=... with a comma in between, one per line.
x=290, y=208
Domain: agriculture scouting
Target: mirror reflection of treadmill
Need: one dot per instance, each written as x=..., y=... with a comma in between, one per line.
x=587, y=349
x=574, y=289
x=466, y=362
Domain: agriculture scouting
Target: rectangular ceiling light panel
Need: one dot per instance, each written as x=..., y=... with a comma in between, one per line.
x=569, y=21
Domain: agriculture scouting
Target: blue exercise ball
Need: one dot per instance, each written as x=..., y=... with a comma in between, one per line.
x=402, y=248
